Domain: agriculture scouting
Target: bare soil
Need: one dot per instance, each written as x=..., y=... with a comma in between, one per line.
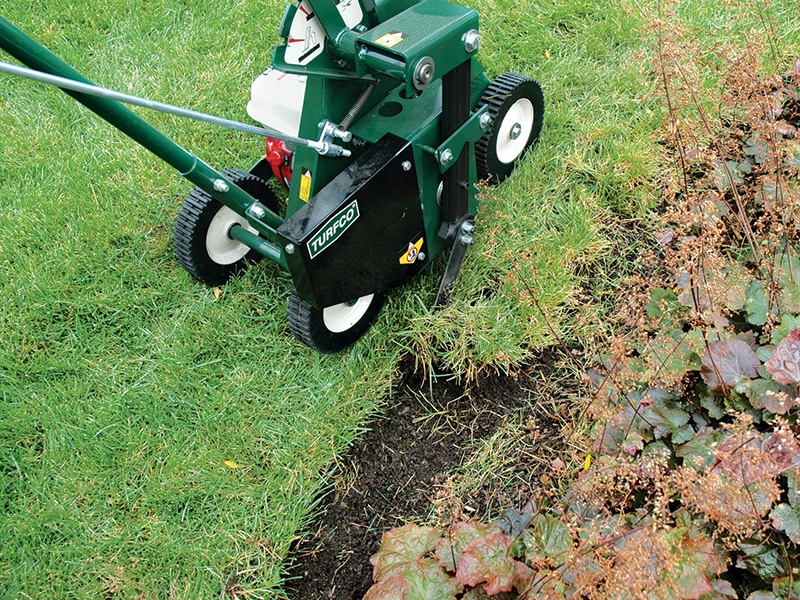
x=403, y=469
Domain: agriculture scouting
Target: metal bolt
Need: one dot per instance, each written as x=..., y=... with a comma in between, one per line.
x=446, y=157
x=258, y=211
x=466, y=229
x=472, y=41
x=486, y=120
x=423, y=73
x=290, y=248
x=220, y=185
x=516, y=131
x=406, y=164
x=421, y=256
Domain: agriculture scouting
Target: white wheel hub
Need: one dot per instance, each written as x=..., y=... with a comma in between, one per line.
x=515, y=130
x=221, y=248
x=341, y=317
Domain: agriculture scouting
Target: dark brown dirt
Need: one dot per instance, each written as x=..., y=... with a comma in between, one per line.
x=403, y=469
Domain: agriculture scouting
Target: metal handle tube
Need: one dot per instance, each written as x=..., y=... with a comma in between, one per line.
x=95, y=90
x=29, y=52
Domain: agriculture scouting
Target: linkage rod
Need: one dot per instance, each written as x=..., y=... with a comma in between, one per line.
x=95, y=90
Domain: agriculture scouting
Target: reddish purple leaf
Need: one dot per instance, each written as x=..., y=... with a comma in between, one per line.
x=393, y=588
x=699, y=561
x=747, y=459
x=782, y=447
x=784, y=365
x=488, y=561
x=728, y=363
x=666, y=237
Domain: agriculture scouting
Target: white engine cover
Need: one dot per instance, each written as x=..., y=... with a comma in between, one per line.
x=276, y=100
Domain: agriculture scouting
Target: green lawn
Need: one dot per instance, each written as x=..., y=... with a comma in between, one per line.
x=161, y=439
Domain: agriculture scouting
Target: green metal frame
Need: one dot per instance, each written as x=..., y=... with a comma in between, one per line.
x=404, y=48
x=432, y=29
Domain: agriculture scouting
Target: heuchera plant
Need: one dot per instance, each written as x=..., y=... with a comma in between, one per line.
x=417, y=562
x=694, y=487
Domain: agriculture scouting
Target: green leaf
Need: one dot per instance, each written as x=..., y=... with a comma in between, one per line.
x=665, y=308
x=785, y=518
x=401, y=548
x=786, y=587
x=549, y=538
x=512, y=522
x=671, y=357
x=477, y=593
x=763, y=595
x=761, y=559
x=757, y=148
x=756, y=305
x=450, y=547
x=788, y=271
x=427, y=580
x=730, y=173
x=793, y=158
x=713, y=404
x=771, y=396
x=700, y=452
x=488, y=561
x=790, y=298
x=664, y=415
x=698, y=563
x=793, y=488
x=788, y=323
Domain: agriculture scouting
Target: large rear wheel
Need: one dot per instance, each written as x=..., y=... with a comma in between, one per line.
x=336, y=327
x=202, y=243
x=516, y=105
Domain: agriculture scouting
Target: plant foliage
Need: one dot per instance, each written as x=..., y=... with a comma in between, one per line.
x=693, y=490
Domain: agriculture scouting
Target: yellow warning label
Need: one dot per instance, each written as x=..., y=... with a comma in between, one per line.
x=411, y=255
x=305, y=185
x=391, y=39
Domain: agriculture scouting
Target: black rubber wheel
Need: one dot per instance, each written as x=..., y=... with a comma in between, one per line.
x=334, y=328
x=516, y=105
x=201, y=241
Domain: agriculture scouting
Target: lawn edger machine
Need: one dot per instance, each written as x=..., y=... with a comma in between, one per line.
x=379, y=120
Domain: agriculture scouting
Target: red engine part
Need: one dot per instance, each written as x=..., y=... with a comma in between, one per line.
x=280, y=160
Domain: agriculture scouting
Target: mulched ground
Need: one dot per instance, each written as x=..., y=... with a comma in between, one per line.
x=404, y=466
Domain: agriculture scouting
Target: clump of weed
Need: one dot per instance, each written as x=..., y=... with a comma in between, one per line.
x=691, y=488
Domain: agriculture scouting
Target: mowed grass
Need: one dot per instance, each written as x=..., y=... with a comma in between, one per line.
x=158, y=438
x=162, y=439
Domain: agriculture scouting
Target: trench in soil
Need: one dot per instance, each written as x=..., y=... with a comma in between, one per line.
x=406, y=468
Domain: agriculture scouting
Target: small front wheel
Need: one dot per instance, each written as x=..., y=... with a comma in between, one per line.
x=336, y=327
x=516, y=105
x=201, y=240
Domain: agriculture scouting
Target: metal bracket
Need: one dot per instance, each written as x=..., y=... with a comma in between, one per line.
x=461, y=241
x=471, y=131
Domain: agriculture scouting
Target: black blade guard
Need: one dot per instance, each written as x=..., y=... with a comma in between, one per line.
x=363, y=232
